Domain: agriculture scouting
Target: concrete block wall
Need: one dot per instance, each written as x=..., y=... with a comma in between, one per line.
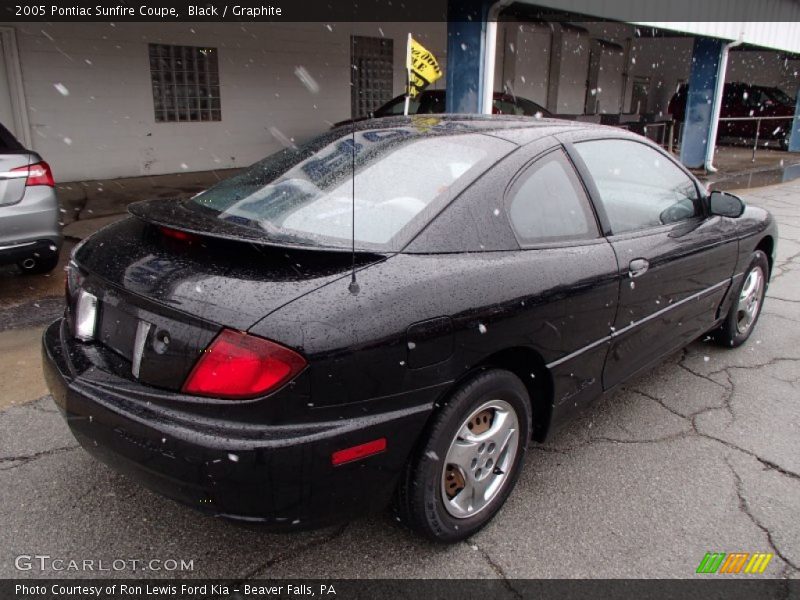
x=89, y=97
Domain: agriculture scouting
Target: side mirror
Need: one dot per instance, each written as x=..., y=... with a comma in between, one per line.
x=724, y=204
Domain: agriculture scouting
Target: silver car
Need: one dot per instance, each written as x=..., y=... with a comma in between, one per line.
x=30, y=235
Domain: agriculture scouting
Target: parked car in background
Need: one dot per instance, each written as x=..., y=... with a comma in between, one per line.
x=431, y=102
x=346, y=323
x=747, y=100
x=30, y=235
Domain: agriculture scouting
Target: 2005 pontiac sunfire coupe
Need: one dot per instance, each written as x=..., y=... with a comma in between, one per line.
x=508, y=271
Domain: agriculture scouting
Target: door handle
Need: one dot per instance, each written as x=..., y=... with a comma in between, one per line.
x=638, y=267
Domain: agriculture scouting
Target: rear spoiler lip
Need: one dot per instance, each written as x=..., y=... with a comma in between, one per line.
x=158, y=213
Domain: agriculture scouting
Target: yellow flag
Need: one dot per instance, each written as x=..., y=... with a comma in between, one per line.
x=422, y=67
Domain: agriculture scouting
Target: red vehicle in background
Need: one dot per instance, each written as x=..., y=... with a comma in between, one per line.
x=747, y=102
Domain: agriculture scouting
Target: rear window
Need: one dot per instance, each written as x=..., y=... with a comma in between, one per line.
x=402, y=177
x=8, y=143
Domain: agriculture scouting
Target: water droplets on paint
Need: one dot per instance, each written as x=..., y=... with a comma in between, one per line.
x=61, y=89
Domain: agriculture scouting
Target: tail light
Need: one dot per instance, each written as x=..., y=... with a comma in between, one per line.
x=38, y=174
x=176, y=234
x=238, y=365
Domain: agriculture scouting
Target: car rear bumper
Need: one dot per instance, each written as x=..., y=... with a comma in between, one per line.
x=29, y=228
x=38, y=249
x=279, y=475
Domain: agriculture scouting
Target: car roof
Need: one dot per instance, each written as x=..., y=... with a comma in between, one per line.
x=519, y=130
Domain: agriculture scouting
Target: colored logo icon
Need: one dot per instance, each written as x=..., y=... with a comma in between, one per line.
x=734, y=562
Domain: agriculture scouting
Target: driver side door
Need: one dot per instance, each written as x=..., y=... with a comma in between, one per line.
x=675, y=261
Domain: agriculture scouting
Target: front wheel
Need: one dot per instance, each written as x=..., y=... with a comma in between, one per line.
x=468, y=464
x=746, y=307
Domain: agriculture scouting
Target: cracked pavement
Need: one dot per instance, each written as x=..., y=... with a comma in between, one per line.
x=700, y=454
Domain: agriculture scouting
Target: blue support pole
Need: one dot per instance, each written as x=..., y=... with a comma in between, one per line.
x=794, y=139
x=700, y=101
x=466, y=29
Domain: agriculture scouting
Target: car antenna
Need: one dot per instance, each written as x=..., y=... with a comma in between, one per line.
x=353, y=287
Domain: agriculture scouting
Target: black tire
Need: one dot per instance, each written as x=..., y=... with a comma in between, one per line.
x=37, y=265
x=420, y=499
x=731, y=333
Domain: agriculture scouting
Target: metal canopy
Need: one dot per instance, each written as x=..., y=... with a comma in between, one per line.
x=722, y=19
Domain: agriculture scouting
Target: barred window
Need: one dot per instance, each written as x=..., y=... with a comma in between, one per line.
x=185, y=83
x=372, y=59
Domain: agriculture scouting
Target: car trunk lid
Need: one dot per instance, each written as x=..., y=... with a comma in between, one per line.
x=163, y=297
x=12, y=183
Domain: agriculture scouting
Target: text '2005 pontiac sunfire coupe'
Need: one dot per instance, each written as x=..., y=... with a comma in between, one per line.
x=392, y=312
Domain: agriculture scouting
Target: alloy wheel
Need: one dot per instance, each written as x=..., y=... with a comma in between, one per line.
x=750, y=300
x=479, y=459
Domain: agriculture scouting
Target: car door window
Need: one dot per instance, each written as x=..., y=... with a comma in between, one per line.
x=431, y=103
x=502, y=106
x=547, y=203
x=639, y=187
x=397, y=107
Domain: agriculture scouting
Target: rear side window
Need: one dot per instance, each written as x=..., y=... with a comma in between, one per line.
x=639, y=187
x=8, y=143
x=548, y=203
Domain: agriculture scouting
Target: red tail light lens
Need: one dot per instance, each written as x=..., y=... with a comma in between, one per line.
x=238, y=365
x=38, y=174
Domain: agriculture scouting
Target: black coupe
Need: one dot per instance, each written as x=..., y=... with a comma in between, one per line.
x=393, y=311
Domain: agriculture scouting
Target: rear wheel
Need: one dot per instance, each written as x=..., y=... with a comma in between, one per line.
x=746, y=307
x=470, y=461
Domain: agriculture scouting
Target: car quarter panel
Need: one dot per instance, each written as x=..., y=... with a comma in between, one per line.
x=558, y=302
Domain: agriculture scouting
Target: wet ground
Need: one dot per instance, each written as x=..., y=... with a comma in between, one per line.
x=701, y=454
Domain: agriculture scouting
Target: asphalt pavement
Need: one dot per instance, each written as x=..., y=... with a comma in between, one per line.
x=701, y=454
